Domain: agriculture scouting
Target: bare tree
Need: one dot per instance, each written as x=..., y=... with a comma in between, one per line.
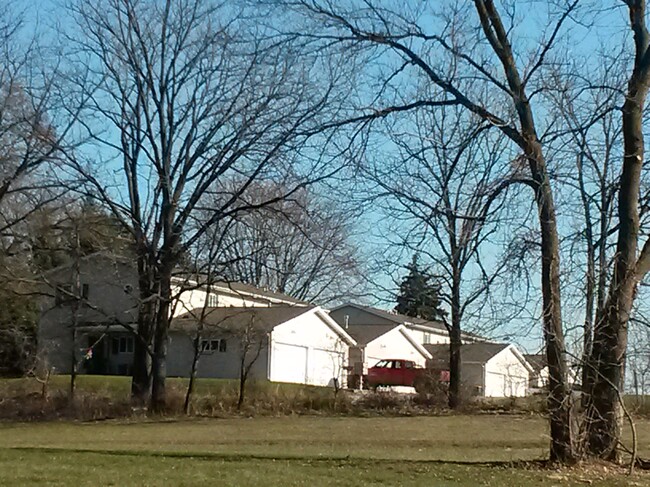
x=501, y=96
x=604, y=413
x=442, y=193
x=37, y=117
x=194, y=94
x=300, y=246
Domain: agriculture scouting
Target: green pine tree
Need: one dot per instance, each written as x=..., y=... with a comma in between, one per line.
x=419, y=294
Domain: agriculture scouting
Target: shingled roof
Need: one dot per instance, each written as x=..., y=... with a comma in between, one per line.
x=233, y=318
x=480, y=352
x=537, y=361
x=364, y=334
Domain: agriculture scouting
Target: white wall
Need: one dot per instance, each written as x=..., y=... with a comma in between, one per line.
x=432, y=338
x=306, y=350
x=392, y=345
x=195, y=299
x=505, y=375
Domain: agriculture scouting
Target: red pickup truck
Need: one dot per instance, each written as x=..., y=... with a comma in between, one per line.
x=399, y=372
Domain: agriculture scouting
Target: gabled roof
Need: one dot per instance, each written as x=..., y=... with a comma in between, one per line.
x=409, y=321
x=364, y=334
x=396, y=318
x=480, y=352
x=537, y=361
x=231, y=319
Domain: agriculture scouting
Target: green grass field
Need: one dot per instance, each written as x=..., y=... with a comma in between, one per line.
x=300, y=450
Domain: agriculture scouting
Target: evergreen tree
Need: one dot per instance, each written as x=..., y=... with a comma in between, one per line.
x=419, y=294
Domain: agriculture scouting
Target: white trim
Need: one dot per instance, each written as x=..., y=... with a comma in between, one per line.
x=423, y=351
x=334, y=326
x=521, y=358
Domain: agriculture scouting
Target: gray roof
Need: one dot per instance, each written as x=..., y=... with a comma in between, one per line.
x=399, y=318
x=235, y=318
x=480, y=352
x=364, y=334
x=537, y=361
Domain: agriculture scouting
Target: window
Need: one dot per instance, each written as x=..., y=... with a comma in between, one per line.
x=409, y=365
x=121, y=345
x=397, y=364
x=212, y=300
x=63, y=294
x=382, y=364
x=427, y=338
x=213, y=345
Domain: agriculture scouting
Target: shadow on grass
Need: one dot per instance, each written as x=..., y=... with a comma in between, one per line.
x=239, y=457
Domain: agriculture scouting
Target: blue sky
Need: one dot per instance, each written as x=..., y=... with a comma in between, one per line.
x=596, y=29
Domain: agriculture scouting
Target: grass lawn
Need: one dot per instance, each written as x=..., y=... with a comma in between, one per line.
x=300, y=450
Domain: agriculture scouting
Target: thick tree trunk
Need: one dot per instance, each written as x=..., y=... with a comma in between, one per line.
x=559, y=406
x=161, y=341
x=141, y=366
x=610, y=335
x=141, y=370
x=455, y=345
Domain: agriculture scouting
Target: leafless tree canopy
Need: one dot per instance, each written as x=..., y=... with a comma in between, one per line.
x=301, y=246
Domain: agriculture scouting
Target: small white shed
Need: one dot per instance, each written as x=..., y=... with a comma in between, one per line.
x=488, y=369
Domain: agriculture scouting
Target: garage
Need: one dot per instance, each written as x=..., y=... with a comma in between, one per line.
x=289, y=363
x=323, y=366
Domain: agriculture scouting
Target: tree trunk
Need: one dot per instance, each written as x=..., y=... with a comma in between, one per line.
x=141, y=366
x=242, y=383
x=610, y=335
x=195, y=362
x=559, y=406
x=161, y=341
x=455, y=343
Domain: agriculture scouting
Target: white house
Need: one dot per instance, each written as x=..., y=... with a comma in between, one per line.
x=488, y=369
x=298, y=344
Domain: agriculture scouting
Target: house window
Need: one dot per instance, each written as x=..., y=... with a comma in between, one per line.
x=427, y=338
x=214, y=345
x=212, y=300
x=121, y=345
x=63, y=294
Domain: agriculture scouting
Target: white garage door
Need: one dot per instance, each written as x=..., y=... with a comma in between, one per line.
x=289, y=363
x=324, y=365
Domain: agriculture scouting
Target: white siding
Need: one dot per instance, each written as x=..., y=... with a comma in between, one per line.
x=392, y=345
x=289, y=363
x=424, y=337
x=505, y=375
x=306, y=350
x=195, y=299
